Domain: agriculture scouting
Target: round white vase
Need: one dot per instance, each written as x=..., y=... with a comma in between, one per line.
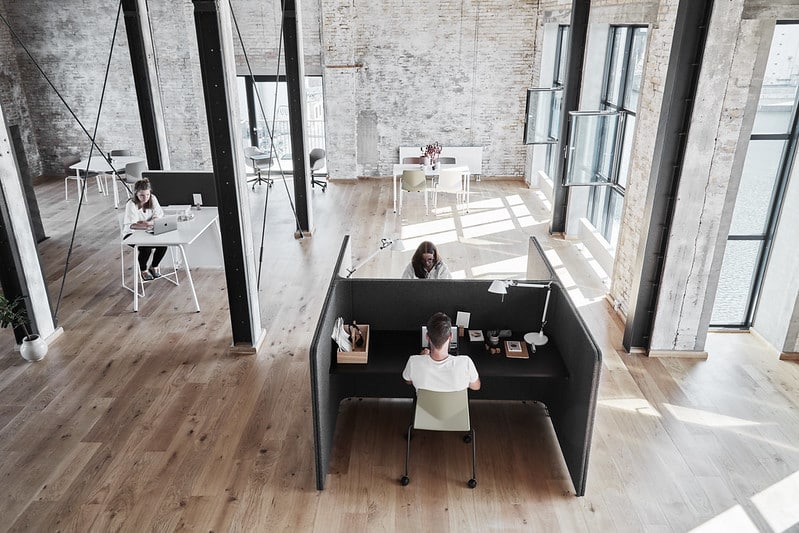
x=33, y=348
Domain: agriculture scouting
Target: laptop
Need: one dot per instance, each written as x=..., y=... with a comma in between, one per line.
x=453, y=343
x=164, y=225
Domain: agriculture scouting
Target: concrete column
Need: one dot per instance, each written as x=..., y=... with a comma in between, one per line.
x=26, y=255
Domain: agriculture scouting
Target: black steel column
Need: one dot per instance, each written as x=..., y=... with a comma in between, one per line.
x=578, y=29
x=217, y=110
x=141, y=80
x=679, y=94
x=296, y=90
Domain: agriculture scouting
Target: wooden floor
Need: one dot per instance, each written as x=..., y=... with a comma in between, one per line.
x=144, y=422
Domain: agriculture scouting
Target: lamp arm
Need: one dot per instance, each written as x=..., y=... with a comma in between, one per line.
x=384, y=243
x=546, y=306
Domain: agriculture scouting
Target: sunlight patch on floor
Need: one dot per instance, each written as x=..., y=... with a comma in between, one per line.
x=427, y=228
x=508, y=268
x=777, y=503
x=634, y=405
x=706, y=418
x=733, y=519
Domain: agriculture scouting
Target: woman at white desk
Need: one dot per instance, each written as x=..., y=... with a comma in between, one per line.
x=426, y=264
x=140, y=212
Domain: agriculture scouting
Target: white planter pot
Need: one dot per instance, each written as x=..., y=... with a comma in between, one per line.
x=33, y=348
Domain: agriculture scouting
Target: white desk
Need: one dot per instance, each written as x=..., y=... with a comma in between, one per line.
x=188, y=231
x=429, y=172
x=100, y=165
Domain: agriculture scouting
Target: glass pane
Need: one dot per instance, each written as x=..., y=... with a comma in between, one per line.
x=615, y=65
x=563, y=54
x=614, y=217
x=626, y=147
x=540, y=104
x=753, y=202
x=778, y=94
x=591, y=145
x=314, y=113
x=635, y=69
x=735, y=283
x=554, y=115
x=597, y=206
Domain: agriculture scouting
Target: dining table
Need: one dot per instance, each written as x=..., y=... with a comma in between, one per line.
x=100, y=165
x=429, y=172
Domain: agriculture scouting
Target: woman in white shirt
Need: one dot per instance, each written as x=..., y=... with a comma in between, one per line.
x=426, y=264
x=140, y=212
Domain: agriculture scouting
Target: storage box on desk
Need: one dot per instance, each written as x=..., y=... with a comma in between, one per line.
x=358, y=355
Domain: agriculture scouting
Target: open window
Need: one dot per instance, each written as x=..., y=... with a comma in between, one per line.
x=592, y=147
x=542, y=122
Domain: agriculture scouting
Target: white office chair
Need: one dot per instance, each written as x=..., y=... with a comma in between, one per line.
x=450, y=181
x=442, y=411
x=260, y=160
x=79, y=176
x=171, y=275
x=413, y=181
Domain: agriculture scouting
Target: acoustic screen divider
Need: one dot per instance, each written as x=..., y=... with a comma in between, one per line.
x=178, y=187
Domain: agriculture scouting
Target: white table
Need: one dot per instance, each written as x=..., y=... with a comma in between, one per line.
x=100, y=165
x=188, y=231
x=429, y=172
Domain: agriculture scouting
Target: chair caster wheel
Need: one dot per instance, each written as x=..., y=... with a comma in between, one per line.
x=404, y=480
x=467, y=439
x=472, y=483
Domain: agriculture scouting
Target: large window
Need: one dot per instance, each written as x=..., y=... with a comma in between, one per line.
x=542, y=125
x=763, y=181
x=600, y=142
x=264, y=108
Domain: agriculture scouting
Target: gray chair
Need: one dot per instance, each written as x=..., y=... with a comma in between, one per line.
x=260, y=161
x=446, y=160
x=78, y=176
x=411, y=160
x=317, y=163
x=120, y=171
x=413, y=181
x=442, y=411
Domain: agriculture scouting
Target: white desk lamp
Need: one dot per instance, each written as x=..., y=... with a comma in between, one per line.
x=396, y=245
x=536, y=338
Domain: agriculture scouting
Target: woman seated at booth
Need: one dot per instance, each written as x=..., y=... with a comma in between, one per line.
x=426, y=264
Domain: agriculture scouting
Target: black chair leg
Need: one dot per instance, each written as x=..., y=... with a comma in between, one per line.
x=404, y=480
x=473, y=482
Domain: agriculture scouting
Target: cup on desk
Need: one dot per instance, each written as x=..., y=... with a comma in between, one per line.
x=493, y=338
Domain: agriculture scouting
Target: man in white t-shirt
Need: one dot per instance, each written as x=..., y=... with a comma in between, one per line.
x=436, y=369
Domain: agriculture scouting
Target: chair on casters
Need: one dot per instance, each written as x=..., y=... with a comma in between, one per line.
x=260, y=161
x=317, y=163
x=442, y=411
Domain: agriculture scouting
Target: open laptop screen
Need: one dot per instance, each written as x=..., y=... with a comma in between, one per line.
x=453, y=343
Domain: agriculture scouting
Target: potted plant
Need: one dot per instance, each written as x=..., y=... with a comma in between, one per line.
x=12, y=314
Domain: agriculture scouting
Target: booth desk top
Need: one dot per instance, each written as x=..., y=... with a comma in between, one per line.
x=389, y=351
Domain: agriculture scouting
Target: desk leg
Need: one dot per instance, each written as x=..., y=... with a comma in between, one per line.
x=115, y=177
x=468, y=189
x=394, y=191
x=136, y=276
x=188, y=276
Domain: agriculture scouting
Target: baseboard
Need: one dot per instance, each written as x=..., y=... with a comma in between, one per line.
x=789, y=356
x=683, y=354
x=248, y=349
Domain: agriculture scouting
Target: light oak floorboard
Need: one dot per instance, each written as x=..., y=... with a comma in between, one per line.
x=145, y=421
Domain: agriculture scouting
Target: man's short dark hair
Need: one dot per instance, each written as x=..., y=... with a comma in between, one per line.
x=438, y=329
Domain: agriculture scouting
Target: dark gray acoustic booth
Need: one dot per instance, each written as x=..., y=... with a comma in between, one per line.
x=563, y=374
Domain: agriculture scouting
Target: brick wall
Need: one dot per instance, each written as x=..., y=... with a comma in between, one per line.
x=407, y=73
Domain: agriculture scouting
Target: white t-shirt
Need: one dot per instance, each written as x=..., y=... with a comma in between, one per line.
x=134, y=214
x=451, y=374
x=440, y=271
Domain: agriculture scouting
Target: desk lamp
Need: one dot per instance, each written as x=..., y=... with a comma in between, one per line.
x=536, y=338
x=396, y=245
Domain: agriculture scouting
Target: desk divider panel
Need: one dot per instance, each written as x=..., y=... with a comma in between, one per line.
x=404, y=305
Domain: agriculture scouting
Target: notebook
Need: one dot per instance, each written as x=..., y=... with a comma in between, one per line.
x=165, y=224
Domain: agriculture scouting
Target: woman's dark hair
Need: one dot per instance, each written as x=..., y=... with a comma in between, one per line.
x=142, y=185
x=439, y=326
x=426, y=247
